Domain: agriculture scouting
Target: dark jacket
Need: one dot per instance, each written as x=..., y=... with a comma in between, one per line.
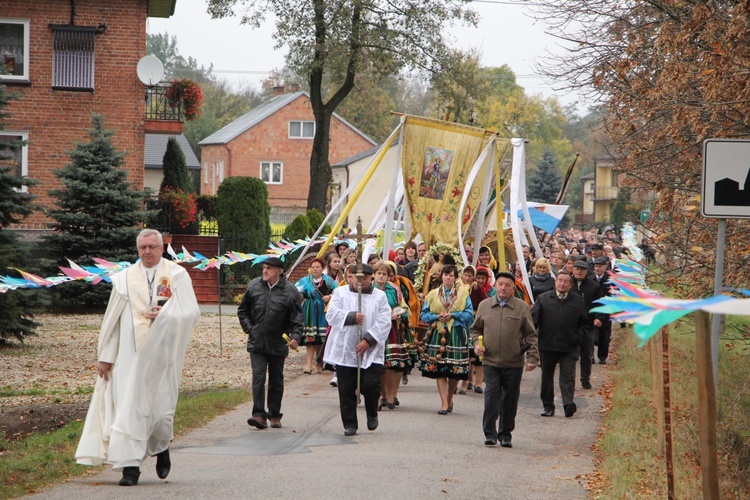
x=541, y=283
x=267, y=313
x=561, y=325
x=590, y=291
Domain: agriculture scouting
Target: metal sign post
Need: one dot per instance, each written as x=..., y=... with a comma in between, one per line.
x=725, y=195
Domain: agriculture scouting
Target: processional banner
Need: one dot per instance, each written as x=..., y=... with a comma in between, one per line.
x=436, y=159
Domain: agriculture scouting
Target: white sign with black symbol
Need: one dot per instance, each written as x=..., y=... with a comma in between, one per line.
x=726, y=178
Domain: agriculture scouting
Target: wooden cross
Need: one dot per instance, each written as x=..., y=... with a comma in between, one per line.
x=358, y=239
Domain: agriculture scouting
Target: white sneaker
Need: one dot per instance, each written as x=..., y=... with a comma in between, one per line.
x=335, y=381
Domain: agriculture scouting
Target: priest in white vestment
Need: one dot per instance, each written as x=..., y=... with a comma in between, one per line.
x=142, y=343
x=343, y=346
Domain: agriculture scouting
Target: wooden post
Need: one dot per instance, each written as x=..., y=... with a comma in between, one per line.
x=706, y=407
x=667, y=412
x=657, y=374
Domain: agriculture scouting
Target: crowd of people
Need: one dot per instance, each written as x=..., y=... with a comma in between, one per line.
x=451, y=329
x=469, y=328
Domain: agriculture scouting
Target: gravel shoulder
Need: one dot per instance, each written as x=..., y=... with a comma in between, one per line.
x=47, y=381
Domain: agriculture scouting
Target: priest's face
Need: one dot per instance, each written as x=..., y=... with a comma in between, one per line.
x=149, y=250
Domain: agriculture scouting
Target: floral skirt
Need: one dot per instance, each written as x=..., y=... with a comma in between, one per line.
x=445, y=353
x=399, y=347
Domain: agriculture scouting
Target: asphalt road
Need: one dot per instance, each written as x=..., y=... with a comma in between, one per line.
x=414, y=453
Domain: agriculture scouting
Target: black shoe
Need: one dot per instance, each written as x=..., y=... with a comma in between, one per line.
x=470, y=387
x=395, y=402
x=505, y=443
x=461, y=391
x=602, y=361
x=405, y=378
x=570, y=410
x=490, y=442
x=450, y=409
x=548, y=412
x=372, y=423
x=130, y=476
x=163, y=464
x=350, y=431
x=586, y=385
x=383, y=403
x=442, y=412
x=478, y=389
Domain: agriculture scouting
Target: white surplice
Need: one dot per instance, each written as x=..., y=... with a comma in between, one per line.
x=342, y=340
x=131, y=415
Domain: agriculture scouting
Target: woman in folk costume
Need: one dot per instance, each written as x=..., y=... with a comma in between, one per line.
x=411, y=298
x=445, y=353
x=485, y=280
x=333, y=267
x=316, y=289
x=396, y=355
x=477, y=294
x=521, y=291
x=487, y=260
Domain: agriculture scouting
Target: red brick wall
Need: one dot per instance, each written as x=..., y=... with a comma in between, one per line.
x=269, y=141
x=57, y=120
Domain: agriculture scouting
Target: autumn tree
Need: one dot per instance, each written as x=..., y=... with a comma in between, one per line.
x=461, y=85
x=671, y=75
x=335, y=38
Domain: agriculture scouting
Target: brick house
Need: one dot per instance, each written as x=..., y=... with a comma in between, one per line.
x=66, y=60
x=273, y=142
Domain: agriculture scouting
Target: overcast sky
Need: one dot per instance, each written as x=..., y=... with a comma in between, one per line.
x=242, y=55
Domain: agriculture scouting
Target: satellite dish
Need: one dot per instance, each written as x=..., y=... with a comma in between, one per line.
x=150, y=70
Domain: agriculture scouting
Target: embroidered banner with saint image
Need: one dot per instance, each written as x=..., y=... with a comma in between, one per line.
x=436, y=159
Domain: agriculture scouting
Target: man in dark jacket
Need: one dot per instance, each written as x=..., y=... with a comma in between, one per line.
x=270, y=308
x=590, y=291
x=561, y=322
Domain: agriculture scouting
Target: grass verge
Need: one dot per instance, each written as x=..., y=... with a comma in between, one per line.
x=630, y=463
x=42, y=459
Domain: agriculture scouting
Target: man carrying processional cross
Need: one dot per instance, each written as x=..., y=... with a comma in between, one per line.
x=360, y=320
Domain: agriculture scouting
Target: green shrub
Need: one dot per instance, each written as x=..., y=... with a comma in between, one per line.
x=316, y=219
x=299, y=228
x=243, y=214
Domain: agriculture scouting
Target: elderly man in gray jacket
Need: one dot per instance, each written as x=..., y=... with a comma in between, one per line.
x=508, y=345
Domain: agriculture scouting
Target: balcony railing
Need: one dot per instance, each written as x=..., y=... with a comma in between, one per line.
x=603, y=193
x=158, y=107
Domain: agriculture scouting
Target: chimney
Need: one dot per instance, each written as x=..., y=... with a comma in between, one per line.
x=294, y=87
x=278, y=90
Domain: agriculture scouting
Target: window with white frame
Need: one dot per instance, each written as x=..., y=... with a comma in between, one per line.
x=14, y=49
x=301, y=130
x=221, y=171
x=205, y=172
x=73, y=58
x=272, y=172
x=14, y=153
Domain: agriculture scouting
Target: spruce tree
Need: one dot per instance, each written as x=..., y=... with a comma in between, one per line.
x=545, y=182
x=17, y=307
x=176, y=174
x=98, y=214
